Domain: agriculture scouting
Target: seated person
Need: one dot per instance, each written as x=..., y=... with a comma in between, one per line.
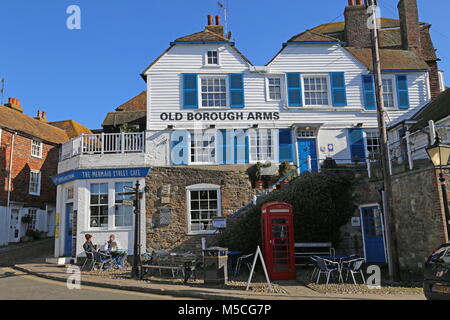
x=88, y=246
x=112, y=246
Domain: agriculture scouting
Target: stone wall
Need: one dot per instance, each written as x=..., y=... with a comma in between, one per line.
x=366, y=193
x=168, y=191
x=419, y=216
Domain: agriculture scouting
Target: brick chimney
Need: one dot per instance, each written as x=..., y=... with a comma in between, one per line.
x=409, y=25
x=41, y=116
x=14, y=104
x=356, y=32
x=217, y=28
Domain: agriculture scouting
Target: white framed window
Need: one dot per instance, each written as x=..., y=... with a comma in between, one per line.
x=69, y=193
x=388, y=92
x=262, y=145
x=274, y=88
x=203, y=148
x=32, y=213
x=316, y=90
x=35, y=183
x=36, y=148
x=203, y=203
x=98, y=205
x=213, y=91
x=123, y=214
x=373, y=143
x=212, y=58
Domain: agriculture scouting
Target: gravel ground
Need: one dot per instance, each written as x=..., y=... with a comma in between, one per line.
x=258, y=285
x=410, y=285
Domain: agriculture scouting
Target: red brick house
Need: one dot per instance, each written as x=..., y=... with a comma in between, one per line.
x=29, y=154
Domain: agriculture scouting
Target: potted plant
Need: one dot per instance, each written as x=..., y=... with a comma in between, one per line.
x=259, y=183
x=284, y=169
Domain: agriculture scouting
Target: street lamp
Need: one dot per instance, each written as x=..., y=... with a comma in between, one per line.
x=439, y=154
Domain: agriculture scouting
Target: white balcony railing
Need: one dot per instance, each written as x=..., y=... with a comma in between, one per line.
x=104, y=143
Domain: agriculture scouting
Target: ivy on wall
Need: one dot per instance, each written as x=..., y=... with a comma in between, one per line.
x=323, y=203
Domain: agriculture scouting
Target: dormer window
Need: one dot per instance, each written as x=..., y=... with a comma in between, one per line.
x=212, y=58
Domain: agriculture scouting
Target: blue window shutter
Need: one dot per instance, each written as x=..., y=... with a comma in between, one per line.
x=247, y=149
x=236, y=81
x=369, y=92
x=357, y=145
x=294, y=88
x=402, y=92
x=226, y=146
x=180, y=147
x=285, y=145
x=190, y=91
x=338, y=92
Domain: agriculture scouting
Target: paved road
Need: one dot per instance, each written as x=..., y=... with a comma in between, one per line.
x=16, y=285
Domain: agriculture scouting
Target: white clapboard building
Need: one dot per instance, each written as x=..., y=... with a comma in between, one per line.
x=314, y=100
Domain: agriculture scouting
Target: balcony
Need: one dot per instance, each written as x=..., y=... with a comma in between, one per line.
x=103, y=150
x=105, y=143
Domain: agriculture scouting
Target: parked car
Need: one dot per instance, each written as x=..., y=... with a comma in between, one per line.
x=436, y=285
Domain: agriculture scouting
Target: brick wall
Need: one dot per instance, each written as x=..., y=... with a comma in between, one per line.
x=419, y=216
x=236, y=191
x=23, y=162
x=356, y=32
x=434, y=79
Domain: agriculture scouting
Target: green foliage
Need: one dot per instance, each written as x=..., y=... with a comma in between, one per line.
x=284, y=169
x=323, y=203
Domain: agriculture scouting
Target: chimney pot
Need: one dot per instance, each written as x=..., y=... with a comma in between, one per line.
x=218, y=21
x=210, y=19
x=44, y=114
x=351, y=2
x=359, y=2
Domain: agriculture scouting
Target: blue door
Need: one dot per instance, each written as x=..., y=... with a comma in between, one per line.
x=68, y=234
x=373, y=232
x=307, y=147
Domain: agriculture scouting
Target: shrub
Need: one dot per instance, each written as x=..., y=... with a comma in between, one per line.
x=323, y=203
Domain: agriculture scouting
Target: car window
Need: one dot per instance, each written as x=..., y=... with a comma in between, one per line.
x=446, y=256
x=440, y=253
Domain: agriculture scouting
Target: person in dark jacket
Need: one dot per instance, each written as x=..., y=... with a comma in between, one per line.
x=88, y=246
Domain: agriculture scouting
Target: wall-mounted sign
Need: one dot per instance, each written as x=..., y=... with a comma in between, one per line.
x=219, y=116
x=101, y=174
x=57, y=225
x=165, y=216
x=356, y=222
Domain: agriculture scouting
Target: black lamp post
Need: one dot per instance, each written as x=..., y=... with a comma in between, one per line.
x=439, y=154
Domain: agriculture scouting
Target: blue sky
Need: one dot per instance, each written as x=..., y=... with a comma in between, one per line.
x=83, y=74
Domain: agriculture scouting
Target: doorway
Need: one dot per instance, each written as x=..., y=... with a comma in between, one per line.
x=14, y=226
x=307, y=147
x=373, y=234
x=69, y=230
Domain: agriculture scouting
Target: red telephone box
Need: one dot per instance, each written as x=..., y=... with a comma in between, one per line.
x=278, y=240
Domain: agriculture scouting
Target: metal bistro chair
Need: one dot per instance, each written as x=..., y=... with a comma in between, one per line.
x=247, y=260
x=315, y=265
x=101, y=260
x=327, y=268
x=354, y=267
x=88, y=262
